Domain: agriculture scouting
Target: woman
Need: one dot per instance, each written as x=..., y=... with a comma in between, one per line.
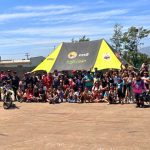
x=138, y=88
x=129, y=91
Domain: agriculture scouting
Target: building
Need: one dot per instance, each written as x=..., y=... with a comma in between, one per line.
x=21, y=66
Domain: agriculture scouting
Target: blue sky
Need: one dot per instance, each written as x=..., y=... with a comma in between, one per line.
x=36, y=26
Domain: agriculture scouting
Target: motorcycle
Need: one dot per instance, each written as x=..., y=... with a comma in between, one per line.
x=146, y=97
x=7, y=97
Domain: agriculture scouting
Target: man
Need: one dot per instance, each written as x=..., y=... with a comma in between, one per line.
x=88, y=80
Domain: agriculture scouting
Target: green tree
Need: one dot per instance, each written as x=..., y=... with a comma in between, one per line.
x=132, y=38
x=84, y=39
x=128, y=43
x=117, y=37
x=81, y=39
x=136, y=58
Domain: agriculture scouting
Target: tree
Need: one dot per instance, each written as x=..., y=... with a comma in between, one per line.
x=136, y=58
x=81, y=39
x=117, y=37
x=132, y=38
x=84, y=39
x=128, y=43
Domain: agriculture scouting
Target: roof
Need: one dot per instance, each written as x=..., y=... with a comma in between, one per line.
x=81, y=56
x=77, y=54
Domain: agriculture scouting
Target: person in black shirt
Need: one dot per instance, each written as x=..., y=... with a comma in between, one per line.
x=15, y=83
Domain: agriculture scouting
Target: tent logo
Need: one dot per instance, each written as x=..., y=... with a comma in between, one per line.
x=72, y=55
x=106, y=56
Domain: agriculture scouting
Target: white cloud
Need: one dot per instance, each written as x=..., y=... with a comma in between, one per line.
x=23, y=15
x=17, y=42
x=100, y=15
x=61, y=13
x=43, y=8
x=47, y=25
x=86, y=16
x=63, y=31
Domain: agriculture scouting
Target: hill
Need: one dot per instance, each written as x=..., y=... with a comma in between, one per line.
x=145, y=50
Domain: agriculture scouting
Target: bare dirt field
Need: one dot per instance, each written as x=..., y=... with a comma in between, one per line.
x=40, y=126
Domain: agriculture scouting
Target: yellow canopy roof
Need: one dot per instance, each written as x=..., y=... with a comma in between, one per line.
x=48, y=63
x=106, y=58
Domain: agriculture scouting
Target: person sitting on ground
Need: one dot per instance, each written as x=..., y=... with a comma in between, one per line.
x=70, y=98
x=42, y=94
x=28, y=95
x=86, y=96
x=19, y=95
x=112, y=95
x=77, y=95
x=60, y=94
x=52, y=97
x=36, y=95
x=95, y=92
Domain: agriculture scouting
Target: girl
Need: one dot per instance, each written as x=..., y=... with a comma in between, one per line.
x=95, y=92
x=120, y=90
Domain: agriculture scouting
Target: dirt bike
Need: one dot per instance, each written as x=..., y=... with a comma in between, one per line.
x=146, y=97
x=143, y=98
x=6, y=96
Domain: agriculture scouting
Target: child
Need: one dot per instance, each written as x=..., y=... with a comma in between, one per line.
x=112, y=95
x=28, y=95
x=86, y=96
x=71, y=96
x=52, y=97
x=19, y=95
x=36, y=93
x=77, y=95
x=120, y=90
x=60, y=94
x=129, y=92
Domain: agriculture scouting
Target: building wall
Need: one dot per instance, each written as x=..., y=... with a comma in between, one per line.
x=22, y=68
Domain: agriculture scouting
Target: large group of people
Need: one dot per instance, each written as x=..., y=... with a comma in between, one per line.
x=76, y=86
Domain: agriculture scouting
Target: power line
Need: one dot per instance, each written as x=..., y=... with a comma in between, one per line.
x=27, y=55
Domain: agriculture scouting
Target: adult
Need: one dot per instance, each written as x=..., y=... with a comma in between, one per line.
x=138, y=87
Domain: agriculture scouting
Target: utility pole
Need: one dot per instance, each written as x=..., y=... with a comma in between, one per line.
x=27, y=55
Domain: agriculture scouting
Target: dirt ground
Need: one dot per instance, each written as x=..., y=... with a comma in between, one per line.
x=41, y=126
